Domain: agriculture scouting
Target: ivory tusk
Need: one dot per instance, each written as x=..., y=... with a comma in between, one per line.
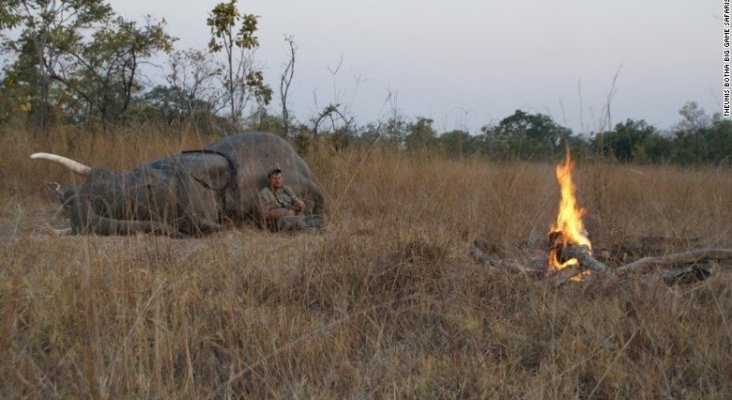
x=57, y=232
x=75, y=166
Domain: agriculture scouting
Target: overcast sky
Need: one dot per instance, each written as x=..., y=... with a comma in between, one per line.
x=467, y=63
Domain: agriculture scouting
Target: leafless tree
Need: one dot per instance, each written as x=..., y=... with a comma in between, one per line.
x=334, y=114
x=192, y=74
x=286, y=81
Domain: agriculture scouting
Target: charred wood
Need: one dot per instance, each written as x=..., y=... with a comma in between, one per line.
x=582, y=254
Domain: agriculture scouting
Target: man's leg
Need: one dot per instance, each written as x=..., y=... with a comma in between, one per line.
x=314, y=221
x=291, y=223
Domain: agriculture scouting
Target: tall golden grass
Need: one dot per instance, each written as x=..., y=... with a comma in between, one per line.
x=384, y=303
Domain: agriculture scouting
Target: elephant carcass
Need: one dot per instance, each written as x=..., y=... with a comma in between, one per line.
x=192, y=193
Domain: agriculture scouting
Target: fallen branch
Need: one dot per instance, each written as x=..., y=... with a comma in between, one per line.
x=675, y=260
x=688, y=274
x=498, y=263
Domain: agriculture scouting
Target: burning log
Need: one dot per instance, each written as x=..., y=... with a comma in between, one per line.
x=584, y=257
x=569, y=244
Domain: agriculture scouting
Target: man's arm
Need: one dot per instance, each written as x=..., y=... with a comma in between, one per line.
x=280, y=212
x=271, y=208
x=298, y=204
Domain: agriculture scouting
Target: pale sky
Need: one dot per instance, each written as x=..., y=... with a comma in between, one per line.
x=467, y=63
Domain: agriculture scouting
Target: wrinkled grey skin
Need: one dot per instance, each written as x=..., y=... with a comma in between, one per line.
x=189, y=194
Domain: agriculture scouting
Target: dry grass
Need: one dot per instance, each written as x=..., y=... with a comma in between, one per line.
x=383, y=304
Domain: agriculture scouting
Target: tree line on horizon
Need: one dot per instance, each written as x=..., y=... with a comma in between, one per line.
x=78, y=63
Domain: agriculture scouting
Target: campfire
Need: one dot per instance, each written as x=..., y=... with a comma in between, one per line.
x=568, y=230
x=570, y=256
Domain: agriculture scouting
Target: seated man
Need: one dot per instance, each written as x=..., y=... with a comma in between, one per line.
x=281, y=207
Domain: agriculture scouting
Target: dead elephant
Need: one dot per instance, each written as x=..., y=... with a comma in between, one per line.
x=188, y=194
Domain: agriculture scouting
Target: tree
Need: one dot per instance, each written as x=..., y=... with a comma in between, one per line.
x=48, y=30
x=370, y=134
x=79, y=56
x=456, y=143
x=234, y=34
x=261, y=120
x=190, y=94
x=339, y=123
x=701, y=138
x=420, y=135
x=395, y=130
x=694, y=119
x=193, y=73
x=528, y=136
x=626, y=141
x=719, y=137
x=103, y=75
x=657, y=148
x=690, y=145
x=285, y=82
x=168, y=104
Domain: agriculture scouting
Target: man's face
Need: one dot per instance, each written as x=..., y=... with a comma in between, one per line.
x=275, y=180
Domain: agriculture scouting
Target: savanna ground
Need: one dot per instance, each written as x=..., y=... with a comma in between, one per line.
x=385, y=303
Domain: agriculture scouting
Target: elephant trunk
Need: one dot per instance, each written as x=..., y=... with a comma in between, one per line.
x=85, y=220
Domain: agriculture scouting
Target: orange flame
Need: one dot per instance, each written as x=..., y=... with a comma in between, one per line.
x=567, y=229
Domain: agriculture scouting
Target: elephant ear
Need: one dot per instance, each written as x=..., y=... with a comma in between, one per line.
x=211, y=170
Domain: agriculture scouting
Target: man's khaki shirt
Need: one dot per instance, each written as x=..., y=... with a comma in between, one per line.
x=283, y=197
